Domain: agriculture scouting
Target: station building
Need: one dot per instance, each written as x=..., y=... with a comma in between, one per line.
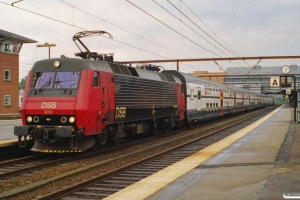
x=10, y=47
x=259, y=84
x=213, y=76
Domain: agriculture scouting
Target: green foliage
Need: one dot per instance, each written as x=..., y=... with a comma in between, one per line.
x=22, y=83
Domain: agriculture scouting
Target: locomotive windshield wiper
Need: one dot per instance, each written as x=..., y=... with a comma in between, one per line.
x=64, y=89
x=47, y=84
x=73, y=84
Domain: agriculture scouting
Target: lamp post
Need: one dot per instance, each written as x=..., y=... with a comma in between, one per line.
x=46, y=45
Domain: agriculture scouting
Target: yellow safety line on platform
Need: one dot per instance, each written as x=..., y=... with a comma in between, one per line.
x=8, y=142
x=155, y=182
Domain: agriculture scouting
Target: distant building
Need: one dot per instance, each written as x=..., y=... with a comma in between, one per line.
x=259, y=84
x=10, y=46
x=213, y=76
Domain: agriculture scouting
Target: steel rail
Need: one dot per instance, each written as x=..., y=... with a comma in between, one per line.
x=18, y=160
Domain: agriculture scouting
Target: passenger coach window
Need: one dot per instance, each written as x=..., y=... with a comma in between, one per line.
x=96, y=79
x=199, y=94
x=192, y=95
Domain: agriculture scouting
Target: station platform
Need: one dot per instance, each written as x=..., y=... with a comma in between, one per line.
x=10, y=116
x=8, y=142
x=7, y=123
x=260, y=161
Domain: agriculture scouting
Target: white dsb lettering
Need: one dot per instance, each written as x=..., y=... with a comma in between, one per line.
x=48, y=105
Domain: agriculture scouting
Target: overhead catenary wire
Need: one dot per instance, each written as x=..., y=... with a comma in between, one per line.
x=122, y=28
x=181, y=13
x=232, y=51
x=187, y=26
x=72, y=25
x=200, y=29
x=196, y=32
x=208, y=27
x=172, y=28
x=213, y=32
x=140, y=37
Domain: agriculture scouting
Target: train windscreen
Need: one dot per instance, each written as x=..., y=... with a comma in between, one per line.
x=43, y=80
x=66, y=80
x=56, y=80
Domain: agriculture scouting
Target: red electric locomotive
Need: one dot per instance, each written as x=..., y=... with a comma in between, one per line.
x=69, y=104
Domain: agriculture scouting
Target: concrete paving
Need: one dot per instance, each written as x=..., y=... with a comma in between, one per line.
x=7, y=129
x=251, y=168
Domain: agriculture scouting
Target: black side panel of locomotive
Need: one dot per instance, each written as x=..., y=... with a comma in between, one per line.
x=178, y=75
x=144, y=98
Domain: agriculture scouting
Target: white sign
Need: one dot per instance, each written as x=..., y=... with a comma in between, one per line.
x=274, y=81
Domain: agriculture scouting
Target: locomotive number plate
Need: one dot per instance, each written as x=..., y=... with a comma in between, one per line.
x=48, y=111
x=120, y=112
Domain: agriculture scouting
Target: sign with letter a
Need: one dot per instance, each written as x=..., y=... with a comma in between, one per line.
x=274, y=81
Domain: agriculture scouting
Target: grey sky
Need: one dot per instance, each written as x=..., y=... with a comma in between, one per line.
x=250, y=28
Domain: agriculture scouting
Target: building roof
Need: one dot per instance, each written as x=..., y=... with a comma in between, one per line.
x=5, y=35
x=270, y=70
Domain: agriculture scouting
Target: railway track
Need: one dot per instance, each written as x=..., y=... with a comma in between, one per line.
x=109, y=174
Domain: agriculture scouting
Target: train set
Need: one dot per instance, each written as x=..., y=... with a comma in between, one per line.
x=71, y=104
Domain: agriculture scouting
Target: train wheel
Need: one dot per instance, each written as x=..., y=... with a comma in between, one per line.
x=113, y=139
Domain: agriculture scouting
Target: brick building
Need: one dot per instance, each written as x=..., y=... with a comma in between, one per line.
x=10, y=46
x=213, y=76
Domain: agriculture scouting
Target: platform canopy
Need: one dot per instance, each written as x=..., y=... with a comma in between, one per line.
x=5, y=35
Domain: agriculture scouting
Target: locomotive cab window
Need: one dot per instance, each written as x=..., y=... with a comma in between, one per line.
x=42, y=80
x=96, y=79
x=66, y=80
x=59, y=80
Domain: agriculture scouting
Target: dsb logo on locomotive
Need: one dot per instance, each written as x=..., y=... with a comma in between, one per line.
x=48, y=105
x=120, y=112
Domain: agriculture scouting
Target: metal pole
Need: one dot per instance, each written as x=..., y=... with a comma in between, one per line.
x=295, y=99
x=211, y=59
x=177, y=66
x=46, y=45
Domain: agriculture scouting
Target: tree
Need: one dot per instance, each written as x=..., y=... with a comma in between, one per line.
x=22, y=83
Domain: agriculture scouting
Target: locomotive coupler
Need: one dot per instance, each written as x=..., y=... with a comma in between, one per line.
x=21, y=131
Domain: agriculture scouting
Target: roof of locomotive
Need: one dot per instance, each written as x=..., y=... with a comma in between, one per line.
x=70, y=64
x=67, y=64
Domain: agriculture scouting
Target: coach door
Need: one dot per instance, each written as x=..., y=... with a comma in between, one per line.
x=234, y=103
x=97, y=98
x=221, y=102
x=198, y=98
x=243, y=102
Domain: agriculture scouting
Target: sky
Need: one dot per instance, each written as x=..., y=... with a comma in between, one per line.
x=159, y=29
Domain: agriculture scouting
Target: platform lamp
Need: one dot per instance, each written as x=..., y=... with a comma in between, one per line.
x=46, y=45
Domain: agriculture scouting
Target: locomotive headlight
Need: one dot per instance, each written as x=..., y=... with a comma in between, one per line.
x=29, y=119
x=72, y=119
x=56, y=64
